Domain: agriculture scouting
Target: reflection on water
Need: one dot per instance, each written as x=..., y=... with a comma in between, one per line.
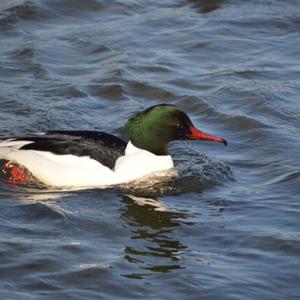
x=206, y=6
x=151, y=202
x=154, y=248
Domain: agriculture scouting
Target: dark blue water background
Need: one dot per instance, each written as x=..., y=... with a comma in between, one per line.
x=228, y=228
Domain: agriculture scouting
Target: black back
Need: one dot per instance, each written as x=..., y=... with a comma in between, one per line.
x=98, y=145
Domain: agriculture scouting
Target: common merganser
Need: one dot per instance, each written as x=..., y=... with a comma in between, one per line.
x=97, y=159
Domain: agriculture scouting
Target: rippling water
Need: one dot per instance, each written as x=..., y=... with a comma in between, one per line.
x=228, y=227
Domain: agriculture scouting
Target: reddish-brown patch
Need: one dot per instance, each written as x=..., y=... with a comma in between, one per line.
x=15, y=173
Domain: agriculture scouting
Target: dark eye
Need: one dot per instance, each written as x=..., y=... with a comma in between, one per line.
x=179, y=126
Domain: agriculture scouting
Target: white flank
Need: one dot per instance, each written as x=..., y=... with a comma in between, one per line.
x=74, y=171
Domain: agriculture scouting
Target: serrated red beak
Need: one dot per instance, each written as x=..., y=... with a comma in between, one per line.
x=199, y=135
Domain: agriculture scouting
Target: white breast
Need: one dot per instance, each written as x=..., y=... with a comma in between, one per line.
x=138, y=163
x=74, y=171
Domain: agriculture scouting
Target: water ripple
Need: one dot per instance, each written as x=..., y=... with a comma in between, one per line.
x=233, y=67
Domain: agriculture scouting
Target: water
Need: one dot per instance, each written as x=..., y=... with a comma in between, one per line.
x=228, y=228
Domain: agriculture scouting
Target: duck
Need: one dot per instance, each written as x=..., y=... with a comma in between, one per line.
x=83, y=159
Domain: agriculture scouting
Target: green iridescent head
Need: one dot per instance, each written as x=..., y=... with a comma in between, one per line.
x=158, y=125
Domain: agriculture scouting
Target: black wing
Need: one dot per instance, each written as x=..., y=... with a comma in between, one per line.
x=98, y=145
